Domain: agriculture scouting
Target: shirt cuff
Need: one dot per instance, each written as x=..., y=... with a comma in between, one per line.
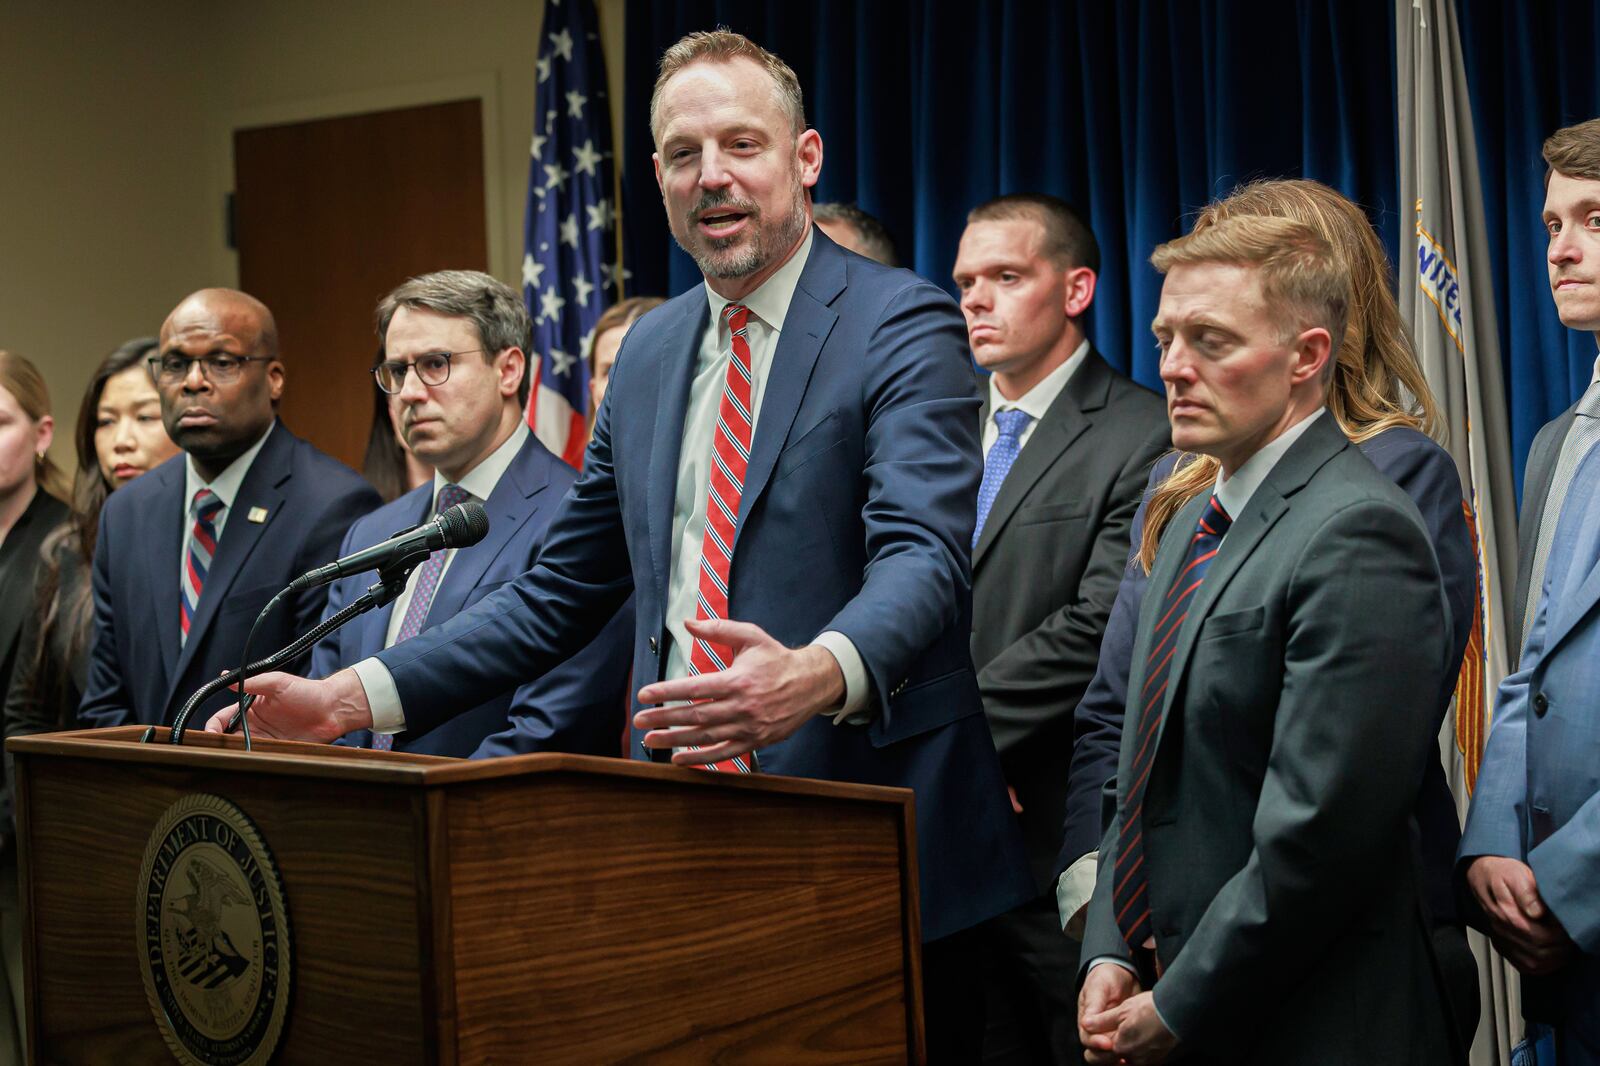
x=856, y=686
x=1073, y=890
x=382, y=696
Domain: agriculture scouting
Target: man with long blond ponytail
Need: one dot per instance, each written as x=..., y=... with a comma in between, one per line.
x=1259, y=870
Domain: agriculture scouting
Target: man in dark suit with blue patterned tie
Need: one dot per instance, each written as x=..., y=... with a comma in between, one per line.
x=1258, y=898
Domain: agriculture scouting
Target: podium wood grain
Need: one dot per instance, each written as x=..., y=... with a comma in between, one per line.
x=547, y=908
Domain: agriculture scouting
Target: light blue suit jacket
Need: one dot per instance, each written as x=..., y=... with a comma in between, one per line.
x=1538, y=792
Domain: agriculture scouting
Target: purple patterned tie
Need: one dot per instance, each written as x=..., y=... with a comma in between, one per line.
x=422, y=593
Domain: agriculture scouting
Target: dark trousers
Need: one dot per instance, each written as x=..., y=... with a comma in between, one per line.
x=1031, y=987
x=952, y=998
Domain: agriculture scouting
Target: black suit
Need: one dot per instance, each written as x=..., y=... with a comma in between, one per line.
x=1537, y=476
x=289, y=515
x=1278, y=837
x=1045, y=573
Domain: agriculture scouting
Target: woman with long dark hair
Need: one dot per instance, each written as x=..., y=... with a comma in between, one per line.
x=119, y=436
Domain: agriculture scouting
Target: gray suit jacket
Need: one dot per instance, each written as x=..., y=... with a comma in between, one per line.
x=1044, y=575
x=1278, y=835
x=1536, y=478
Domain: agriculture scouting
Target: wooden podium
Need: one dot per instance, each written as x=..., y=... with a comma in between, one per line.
x=546, y=908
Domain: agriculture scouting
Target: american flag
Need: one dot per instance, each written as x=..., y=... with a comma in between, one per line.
x=569, y=265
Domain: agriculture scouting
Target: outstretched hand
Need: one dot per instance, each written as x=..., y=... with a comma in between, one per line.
x=767, y=693
x=292, y=708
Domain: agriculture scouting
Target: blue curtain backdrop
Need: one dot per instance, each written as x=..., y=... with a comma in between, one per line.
x=1139, y=112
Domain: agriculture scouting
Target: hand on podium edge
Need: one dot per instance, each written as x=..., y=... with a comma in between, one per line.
x=767, y=693
x=294, y=708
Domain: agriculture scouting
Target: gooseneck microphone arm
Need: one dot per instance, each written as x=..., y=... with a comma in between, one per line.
x=390, y=584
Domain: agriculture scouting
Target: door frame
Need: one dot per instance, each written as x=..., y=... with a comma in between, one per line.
x=484, y=87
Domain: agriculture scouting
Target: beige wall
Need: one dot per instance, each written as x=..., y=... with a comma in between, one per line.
x=115, y=131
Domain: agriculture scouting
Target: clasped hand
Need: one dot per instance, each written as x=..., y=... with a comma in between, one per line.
x=1118, y=1023
x=767, y=693
x=1523, y=929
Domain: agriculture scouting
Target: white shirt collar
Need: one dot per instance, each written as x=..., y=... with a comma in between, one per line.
x=481, y=479
x=770, y=301
x=1234, y=492
x=226, y=484
x=1037, y=400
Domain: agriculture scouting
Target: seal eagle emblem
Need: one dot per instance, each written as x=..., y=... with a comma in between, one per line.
x=215, y=931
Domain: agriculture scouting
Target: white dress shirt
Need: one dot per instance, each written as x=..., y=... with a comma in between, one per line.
x=225, y=485
x=1036, y=401
x=769, y=307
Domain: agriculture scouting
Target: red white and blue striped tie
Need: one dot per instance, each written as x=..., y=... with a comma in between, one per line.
x=1131, y=896
x=205, y=508
x=730, y=455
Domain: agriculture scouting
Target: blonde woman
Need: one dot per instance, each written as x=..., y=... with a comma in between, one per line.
x=1382, y=403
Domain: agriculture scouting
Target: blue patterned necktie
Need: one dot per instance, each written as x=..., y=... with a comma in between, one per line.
x=997, y=464
x=422, y=592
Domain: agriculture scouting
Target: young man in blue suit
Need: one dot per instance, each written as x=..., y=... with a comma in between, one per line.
x=454, y=345
x=1530, y=852
x=804, y=580
x=189, y=553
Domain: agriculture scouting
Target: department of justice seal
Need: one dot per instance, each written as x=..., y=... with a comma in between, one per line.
x=215, y=933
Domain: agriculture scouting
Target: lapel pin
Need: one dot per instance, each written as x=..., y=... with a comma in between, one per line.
x=258, y=515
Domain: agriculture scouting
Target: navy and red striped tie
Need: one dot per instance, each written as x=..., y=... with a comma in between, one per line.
x=730, y=455
x=205, y=508
x=1131, y=896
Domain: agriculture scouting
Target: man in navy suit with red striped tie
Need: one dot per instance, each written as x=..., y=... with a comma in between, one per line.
x=784, y=473
x=1257, y=899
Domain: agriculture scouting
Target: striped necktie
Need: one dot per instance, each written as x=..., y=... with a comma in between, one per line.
x=422, y=592
x=730, y=455
x=205, y=507
x=1130, y=896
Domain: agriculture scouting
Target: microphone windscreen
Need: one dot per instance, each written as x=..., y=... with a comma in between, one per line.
x=465, y=524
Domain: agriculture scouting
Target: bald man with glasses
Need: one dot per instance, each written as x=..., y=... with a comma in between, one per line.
x=188, y=554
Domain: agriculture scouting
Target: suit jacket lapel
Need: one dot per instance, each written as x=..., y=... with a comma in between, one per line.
x=677, y=348
x=508, y=506
x=1542, y=468
x=165, y=528
x=373, y=627
x=262, y=487
x=805, y=327
x=1063, y=423
x=1268, y=504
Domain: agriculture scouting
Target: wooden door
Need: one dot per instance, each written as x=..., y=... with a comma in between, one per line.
x=329, y=215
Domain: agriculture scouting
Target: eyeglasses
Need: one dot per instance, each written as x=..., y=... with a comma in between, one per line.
x=433, y=368
x=219, y=368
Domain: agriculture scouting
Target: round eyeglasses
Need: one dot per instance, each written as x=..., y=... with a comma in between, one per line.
x=433, y=368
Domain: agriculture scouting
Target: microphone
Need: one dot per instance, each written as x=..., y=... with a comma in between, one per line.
x=460, y=527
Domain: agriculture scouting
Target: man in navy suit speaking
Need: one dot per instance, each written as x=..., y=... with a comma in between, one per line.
x=784, y=474
x=454, y=345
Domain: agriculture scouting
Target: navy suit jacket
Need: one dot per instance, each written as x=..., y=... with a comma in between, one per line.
x=138, y=672
x=578, y=707
x=1538, y=794
x=1423, y=471
x=856, y=516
